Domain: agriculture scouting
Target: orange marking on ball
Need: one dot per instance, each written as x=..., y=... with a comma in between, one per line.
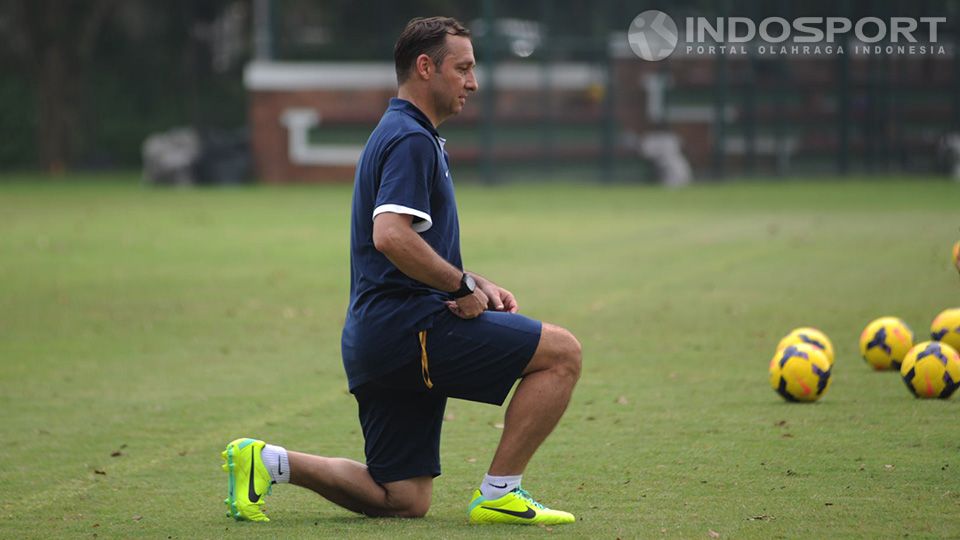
x=899, y=334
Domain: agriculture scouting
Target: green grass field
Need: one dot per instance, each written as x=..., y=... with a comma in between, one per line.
x=142, y=329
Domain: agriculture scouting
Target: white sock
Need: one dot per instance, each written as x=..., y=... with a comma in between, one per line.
x=494, y=487
x=276, y=460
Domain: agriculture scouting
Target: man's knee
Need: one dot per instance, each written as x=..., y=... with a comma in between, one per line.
x=416, y=509
x=559, y=351
x=409, y=498
x=573, y=355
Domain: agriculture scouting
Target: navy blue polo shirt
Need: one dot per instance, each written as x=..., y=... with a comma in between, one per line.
x=403, y=169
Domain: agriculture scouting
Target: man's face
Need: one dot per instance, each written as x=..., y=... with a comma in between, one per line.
x=454, y=77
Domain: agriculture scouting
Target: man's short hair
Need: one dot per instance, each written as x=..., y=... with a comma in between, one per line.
x=424, y=36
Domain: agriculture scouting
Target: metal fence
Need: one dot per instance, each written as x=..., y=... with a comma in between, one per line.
x=563, y=93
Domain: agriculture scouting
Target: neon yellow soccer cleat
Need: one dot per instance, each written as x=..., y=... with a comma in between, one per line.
x=249, y=480
x=516, y=507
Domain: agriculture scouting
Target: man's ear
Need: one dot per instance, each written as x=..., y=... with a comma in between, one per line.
x=424, y=66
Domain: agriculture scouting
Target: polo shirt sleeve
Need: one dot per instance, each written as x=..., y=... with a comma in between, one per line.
x=407, y=179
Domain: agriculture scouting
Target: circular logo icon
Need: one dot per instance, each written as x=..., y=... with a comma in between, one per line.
x=653, y=35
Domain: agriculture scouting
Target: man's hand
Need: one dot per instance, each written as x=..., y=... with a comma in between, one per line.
x=500, y=299
x=471, y=305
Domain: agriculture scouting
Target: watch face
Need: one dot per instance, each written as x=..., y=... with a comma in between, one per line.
x=470, y=282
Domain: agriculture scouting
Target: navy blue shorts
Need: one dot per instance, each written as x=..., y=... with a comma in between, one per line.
x=401, y=413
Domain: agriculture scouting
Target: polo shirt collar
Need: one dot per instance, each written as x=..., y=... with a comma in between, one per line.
x=404, y=106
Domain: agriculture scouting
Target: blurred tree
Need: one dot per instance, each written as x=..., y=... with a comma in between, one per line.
x=85, y=81
x=162, y=64
x=54, y=42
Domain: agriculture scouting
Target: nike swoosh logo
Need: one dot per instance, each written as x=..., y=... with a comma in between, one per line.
x=504, y=486
x=280, y=467
x=530, y=513
x=251, y=488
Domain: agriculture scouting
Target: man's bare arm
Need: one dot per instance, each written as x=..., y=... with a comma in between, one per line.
x=393, y=235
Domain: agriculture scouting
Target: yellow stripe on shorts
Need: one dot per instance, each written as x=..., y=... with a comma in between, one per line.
x=424, y=361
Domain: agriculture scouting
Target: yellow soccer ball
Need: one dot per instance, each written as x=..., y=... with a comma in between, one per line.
x=946, y=328
x=885, y=341
x=800, y=372
x=810, y=336
x=931, y=370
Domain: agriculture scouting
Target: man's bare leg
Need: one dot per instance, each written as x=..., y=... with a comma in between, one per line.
x=348, y=484
x=537, y=405
x=539, y=401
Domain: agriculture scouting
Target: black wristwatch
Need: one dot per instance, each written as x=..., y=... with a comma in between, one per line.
x=467, y=286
